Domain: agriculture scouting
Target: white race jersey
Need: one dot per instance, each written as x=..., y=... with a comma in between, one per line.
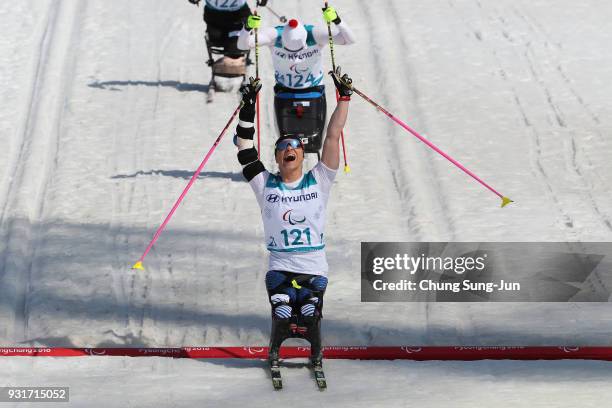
x=301, y=69
x=226, y=5
x=304, y=68
x=294, y=219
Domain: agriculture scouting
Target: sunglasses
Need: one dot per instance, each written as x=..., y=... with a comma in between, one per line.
x=286, y=143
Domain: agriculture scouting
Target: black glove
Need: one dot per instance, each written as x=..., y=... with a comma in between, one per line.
x=249, y=91
x=262, y=3
x=196, y=2
x=344, y=84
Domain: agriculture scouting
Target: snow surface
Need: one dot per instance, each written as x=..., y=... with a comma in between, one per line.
x=104, y=119
x=164, y=382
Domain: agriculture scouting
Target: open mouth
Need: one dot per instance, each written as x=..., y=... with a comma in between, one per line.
x=289, y=157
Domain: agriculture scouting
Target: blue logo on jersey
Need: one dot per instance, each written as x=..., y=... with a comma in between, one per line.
x=288, y=218
x=273, y=198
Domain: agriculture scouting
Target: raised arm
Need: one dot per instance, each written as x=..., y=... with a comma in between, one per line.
x=247, y=154
x=265, y=36
x=331, y=147
x=341, y=32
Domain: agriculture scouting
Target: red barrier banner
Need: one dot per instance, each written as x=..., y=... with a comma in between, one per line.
x=457, y=353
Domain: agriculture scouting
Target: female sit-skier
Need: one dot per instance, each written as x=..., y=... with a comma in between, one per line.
x=293, y=207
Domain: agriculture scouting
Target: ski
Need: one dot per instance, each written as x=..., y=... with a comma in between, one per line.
x=319, y=376
x=277, y=381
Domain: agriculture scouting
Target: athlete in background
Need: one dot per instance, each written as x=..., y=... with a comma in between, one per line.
x=297, y=56
x=297, y=49
x=224, y=19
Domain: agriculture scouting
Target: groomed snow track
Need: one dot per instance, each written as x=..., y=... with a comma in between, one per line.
x=104, y=118
x=105, y=123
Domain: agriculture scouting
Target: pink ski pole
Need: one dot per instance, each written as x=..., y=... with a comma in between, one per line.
x=505, y=200
x=138, y=265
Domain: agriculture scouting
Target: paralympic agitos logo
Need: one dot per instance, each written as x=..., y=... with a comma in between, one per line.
x=297, y=70
x=291, y=220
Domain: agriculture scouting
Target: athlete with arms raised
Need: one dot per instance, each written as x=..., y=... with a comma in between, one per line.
x=297, y=55
x=297, y=48
x=293, y=208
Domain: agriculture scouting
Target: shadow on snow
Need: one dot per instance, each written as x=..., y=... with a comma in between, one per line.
x=183, y=174
x=179, y=86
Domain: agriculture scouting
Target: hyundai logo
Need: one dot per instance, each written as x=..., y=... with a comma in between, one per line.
x=273, y=198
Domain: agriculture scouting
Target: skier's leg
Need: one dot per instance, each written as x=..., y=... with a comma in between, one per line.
x=318, y=285
x=281, y=298
x=311, y=312
x=278, y=333
x=310, y=318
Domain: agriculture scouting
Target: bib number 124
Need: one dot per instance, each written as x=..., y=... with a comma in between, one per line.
x=296, y=80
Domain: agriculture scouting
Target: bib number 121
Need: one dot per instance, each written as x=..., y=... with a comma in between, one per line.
x=294, y=237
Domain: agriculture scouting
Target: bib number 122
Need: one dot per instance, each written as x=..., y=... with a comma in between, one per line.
x=224, y=3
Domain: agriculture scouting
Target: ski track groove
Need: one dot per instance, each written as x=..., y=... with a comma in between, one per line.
x=579, y=98
x=440, y=198
x=146, y=308
x=13, y=178
x=137, y=286
x=119, y=286
x=468, y=330
x=141, y=279
x=402, y=185
x=128, y=285
x=123, y=195
x=25, y=231
x=561, y=121
x=538, y=31
x=403, y=193
x=439, y=218
x=535, y=140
